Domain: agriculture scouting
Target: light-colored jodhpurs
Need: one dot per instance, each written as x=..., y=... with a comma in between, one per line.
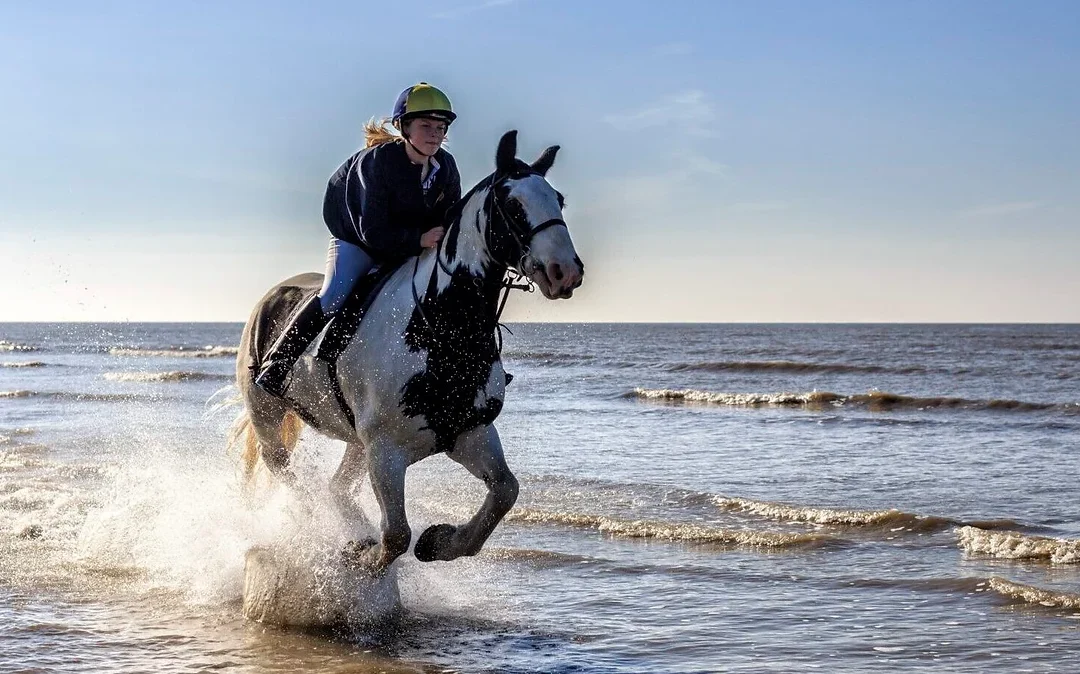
x=346, y=263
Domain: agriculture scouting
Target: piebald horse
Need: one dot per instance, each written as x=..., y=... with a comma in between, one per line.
x=422, y=375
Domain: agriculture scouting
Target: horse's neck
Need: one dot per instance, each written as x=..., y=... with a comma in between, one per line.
x=466, y=244
x=461, y=279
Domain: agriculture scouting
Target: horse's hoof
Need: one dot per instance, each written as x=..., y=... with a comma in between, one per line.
x=432, y=541
x=353, y=551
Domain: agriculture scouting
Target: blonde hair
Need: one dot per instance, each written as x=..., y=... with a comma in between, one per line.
x=376, y=132
x=383, y=131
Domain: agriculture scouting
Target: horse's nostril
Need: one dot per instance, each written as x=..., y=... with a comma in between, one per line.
x=556, y=272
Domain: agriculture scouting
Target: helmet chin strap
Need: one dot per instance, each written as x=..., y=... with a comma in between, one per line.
x=405, y=135
x=418, y=150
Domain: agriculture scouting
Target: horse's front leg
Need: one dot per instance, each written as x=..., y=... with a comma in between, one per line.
x=386, y=467
x=480, y=452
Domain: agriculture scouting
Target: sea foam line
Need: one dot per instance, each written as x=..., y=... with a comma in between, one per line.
x=668, y=531
x=874, y=400
x=171, y=376
x=70, y=395
x=1030, y=594
x=180, y=352
x=28, y=363
x=5, y=345
x=835, y=516
x=1016, y=545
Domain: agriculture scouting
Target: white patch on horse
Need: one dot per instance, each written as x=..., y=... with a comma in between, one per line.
x=536, y=197
x=471, y=245
x=495, y=387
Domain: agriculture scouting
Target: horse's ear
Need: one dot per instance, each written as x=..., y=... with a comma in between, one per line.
x=507, y=152
x=543, y=164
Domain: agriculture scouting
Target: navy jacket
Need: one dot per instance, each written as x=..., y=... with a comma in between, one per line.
x=375, y=200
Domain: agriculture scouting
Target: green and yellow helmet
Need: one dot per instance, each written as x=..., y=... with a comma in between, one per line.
x=423, y=100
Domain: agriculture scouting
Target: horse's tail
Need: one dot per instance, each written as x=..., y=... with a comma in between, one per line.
x=242, y=430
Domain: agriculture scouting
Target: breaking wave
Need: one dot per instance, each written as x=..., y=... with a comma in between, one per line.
x=69, y=395
x=14, y=346
x=29, y=363
x=1016, y=545
x=1029, y=594
x=669, y=531
x=873, y=401
x=788, y=366
x=891, y=518
x=177, y=352
x=172, y=376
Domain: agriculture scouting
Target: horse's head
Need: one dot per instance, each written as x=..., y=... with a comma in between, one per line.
x=529, y=210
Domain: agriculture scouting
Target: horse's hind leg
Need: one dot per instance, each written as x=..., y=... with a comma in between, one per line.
x=480, y=452
x=386, y=466
x=350, y=473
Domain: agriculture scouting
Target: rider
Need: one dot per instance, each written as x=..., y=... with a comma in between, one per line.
x=385, y=203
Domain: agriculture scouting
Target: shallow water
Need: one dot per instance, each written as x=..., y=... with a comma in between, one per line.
x=695, y=498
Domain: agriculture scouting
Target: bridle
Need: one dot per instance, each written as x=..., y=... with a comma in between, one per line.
x=514, y=276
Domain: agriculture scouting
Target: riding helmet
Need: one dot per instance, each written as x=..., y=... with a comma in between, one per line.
x=423, y=100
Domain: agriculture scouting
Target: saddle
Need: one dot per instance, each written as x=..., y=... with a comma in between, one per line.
x=343, y=325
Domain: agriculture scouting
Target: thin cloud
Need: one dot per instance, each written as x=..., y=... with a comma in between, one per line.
x=673, y=49
x=469, y=9
x=759, y=206
x=689, y=109
x=1006, y=208
x=698, y=163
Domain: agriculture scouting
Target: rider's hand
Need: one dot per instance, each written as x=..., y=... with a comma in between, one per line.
x=430, y=238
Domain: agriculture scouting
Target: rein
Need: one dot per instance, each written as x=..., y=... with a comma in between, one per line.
x=512, y=274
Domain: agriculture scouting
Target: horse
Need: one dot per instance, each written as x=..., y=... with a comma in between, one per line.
x=422, y=375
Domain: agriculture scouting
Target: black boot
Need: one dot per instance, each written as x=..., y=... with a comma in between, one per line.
x=303, y=327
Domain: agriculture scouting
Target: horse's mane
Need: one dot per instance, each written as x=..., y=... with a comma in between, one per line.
x=454, y=213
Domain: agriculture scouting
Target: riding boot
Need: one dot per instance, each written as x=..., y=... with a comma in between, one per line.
x=304, y=326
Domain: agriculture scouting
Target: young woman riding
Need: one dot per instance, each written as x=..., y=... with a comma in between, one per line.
x=385, y=203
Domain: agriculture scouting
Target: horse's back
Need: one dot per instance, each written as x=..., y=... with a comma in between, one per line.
x=270, y=316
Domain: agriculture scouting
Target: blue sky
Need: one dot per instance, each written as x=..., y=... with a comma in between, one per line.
x=722, y=161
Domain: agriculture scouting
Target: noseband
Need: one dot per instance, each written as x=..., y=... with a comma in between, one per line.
x=522, y=234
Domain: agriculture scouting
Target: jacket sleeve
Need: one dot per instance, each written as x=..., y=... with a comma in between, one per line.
x=389, y=239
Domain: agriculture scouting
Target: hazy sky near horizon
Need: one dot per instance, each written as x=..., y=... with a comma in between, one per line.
x=722, y=161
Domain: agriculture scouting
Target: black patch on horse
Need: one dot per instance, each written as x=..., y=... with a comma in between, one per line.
x=461, y=354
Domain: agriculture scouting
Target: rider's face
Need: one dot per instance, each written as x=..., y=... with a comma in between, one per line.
x=426, y=134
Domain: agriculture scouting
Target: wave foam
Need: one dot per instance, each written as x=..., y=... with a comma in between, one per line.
x=178, y=352
x=736, y=399
x=1030, y=594
x=29, y=363
x=14, y=346
x=16, y=394
x=668, y=531
x=81, y=397
x=1015, y=545
x=171, y=376
x=874, y=401
x=833, y=516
